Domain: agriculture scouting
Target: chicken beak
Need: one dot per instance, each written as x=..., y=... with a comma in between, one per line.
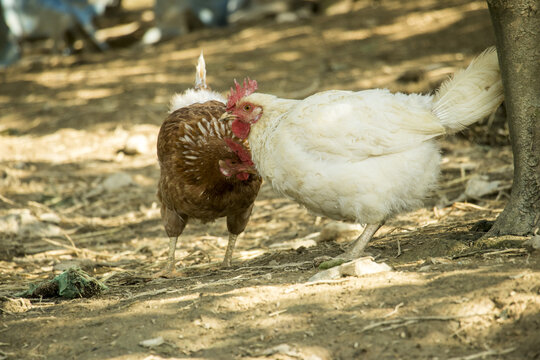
x=227, y=117
x=249, y=170
x=227, y=170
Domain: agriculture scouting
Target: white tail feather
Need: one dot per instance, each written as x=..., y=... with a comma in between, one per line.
x=200, y=74
x=471, y=94
x=199, y=94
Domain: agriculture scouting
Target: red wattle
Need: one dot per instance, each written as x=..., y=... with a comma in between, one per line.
x=240, y=129
x=242, y=176
x=240, y=151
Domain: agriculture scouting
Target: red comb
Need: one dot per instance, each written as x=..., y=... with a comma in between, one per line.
x=248, y=87
x=241, y=151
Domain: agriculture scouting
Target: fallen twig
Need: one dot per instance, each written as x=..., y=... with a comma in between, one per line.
x=491, y=252
x=275, y=313
x=484, y=353
x=398, y=248
x=73, y=248
x=468, y=206
x=395, y=326
x=394, y=311
x=319, y=282
x=97, y=233
x=7, y=201
x=511, y=251
x=414, y=319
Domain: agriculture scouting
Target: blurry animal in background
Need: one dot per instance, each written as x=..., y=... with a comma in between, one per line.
x=179, y=17
x=206, y=172
x=9, y=48
x=361, y=156
x=54, y=19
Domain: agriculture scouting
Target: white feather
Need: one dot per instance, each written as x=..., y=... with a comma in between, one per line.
x=200, y=94
x=202, y=128
x=361, y=156
x=471, y=94
x=190, y=97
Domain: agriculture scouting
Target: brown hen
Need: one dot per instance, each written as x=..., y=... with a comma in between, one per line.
x=206, y=172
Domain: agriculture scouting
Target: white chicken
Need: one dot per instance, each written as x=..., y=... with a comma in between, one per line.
x=360, y=156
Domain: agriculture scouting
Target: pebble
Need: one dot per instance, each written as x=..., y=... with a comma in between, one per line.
x=136, y=144
x=533, y=242
x=334, y=231
x=50, y=218
x=357, y=267
x=116, y=181
x=21, y=222
x=150, y=343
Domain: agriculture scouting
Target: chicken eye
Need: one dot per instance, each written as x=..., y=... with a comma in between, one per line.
x=247, y=107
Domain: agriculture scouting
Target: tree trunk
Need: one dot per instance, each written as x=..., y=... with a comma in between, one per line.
x=517, y=32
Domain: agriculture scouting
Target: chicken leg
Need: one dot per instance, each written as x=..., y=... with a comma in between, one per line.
x=230, y=248
x=356, y=249
x=361, y=242
x=235, y=224
x=174, y=226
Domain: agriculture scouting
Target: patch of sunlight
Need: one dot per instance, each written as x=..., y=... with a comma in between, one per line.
x=174, y=300
x=117, y=31
x=186, y=54
x=411, y=24
x=254, y=38
x=89, y=94
x=352, y=35
x=414, y=24
x=130, y=5
x=56, y=80
x=288, y=56
x=249, y=254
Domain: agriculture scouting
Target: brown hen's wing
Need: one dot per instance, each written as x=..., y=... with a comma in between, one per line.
x=190, y=139
x=184, y=121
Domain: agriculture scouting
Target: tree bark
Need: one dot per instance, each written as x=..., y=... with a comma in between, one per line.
x=517, y=32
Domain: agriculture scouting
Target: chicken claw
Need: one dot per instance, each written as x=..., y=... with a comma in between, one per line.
x=356, y=249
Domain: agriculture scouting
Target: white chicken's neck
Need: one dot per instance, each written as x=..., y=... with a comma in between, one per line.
x=261, y=132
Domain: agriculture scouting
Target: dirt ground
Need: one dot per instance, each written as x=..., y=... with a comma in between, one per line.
x=64, y=121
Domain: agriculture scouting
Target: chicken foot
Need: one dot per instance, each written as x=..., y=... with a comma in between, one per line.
x=174, y=226
x=230, y=248
x=361, y=242
x=169, y=270
x=356, y=249
x=236, y=223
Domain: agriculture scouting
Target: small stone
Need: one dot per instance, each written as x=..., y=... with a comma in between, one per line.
x=14, y=305
x=117, y=181
x=363, y=266
x=150, y=343
x=50, y=218
x=479, y=186
x=357, y=267
x=330, y=274
x=287, y=17
x=136, y=144
x=9, y=224
x=336, y=231
x=19, y=165
x=425, y=268
x=21, y=222
x=533, y=242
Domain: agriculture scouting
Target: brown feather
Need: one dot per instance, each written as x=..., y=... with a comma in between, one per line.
x=190, y=145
